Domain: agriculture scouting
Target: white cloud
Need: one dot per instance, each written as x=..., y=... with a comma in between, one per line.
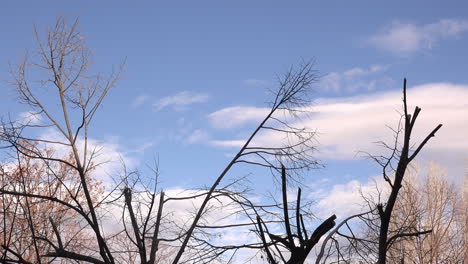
x=198, y=135
x=111, y=156
x=188, y=132
x=352, y=124
x=331, y=82
x=406, y=38
x=30, y=118
x=140, y=100
x=180, y=100
x=354, y=72
x=377, y=68
x=108, y=154
x=228, y=143
x=147, y=144
x=360, y=71
x=347, y=199
x=235, y=116
x=355, y=79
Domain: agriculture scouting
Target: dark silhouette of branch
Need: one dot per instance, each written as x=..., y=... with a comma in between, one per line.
x=291, y=94
x=404, y=159
x=298, y=253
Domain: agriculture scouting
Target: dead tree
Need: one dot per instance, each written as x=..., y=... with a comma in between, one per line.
x=290, y=98
x=382, y=233
x=297, y=245
x=405, y=156
x=150, y=226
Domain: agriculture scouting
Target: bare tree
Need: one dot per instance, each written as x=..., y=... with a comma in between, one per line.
x=427, y=203
x=155, y=226
x=381, y=231
x=434, y=204
x=62, y=62
x=285, y=249
x=290, y=98
x=404, y=158
x=62, y=65
x=149, y=231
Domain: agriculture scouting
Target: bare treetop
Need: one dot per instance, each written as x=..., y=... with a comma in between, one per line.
x=59, y=69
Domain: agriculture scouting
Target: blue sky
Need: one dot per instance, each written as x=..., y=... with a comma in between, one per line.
x=195, y=68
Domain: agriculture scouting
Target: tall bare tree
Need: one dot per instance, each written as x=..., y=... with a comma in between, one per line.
x=404, y=156
x=381, y=231
x=290, y=98
x=62, y=63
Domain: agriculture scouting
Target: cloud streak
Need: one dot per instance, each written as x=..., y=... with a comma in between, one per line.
x=236, y=116
x=404, y=39
x=180, y=100
x=140, y=100
x=354, y=80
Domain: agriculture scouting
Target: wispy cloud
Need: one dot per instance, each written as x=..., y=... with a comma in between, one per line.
x=403, y=39
x=30, y=118
x=355, y=79
x=228, y=143
x=236, y=116
x=331, y=82
x=140, y=100
x=362, y=71
x=198, y=136
x=109, y=154
x=180, y=100
x=347, y=199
